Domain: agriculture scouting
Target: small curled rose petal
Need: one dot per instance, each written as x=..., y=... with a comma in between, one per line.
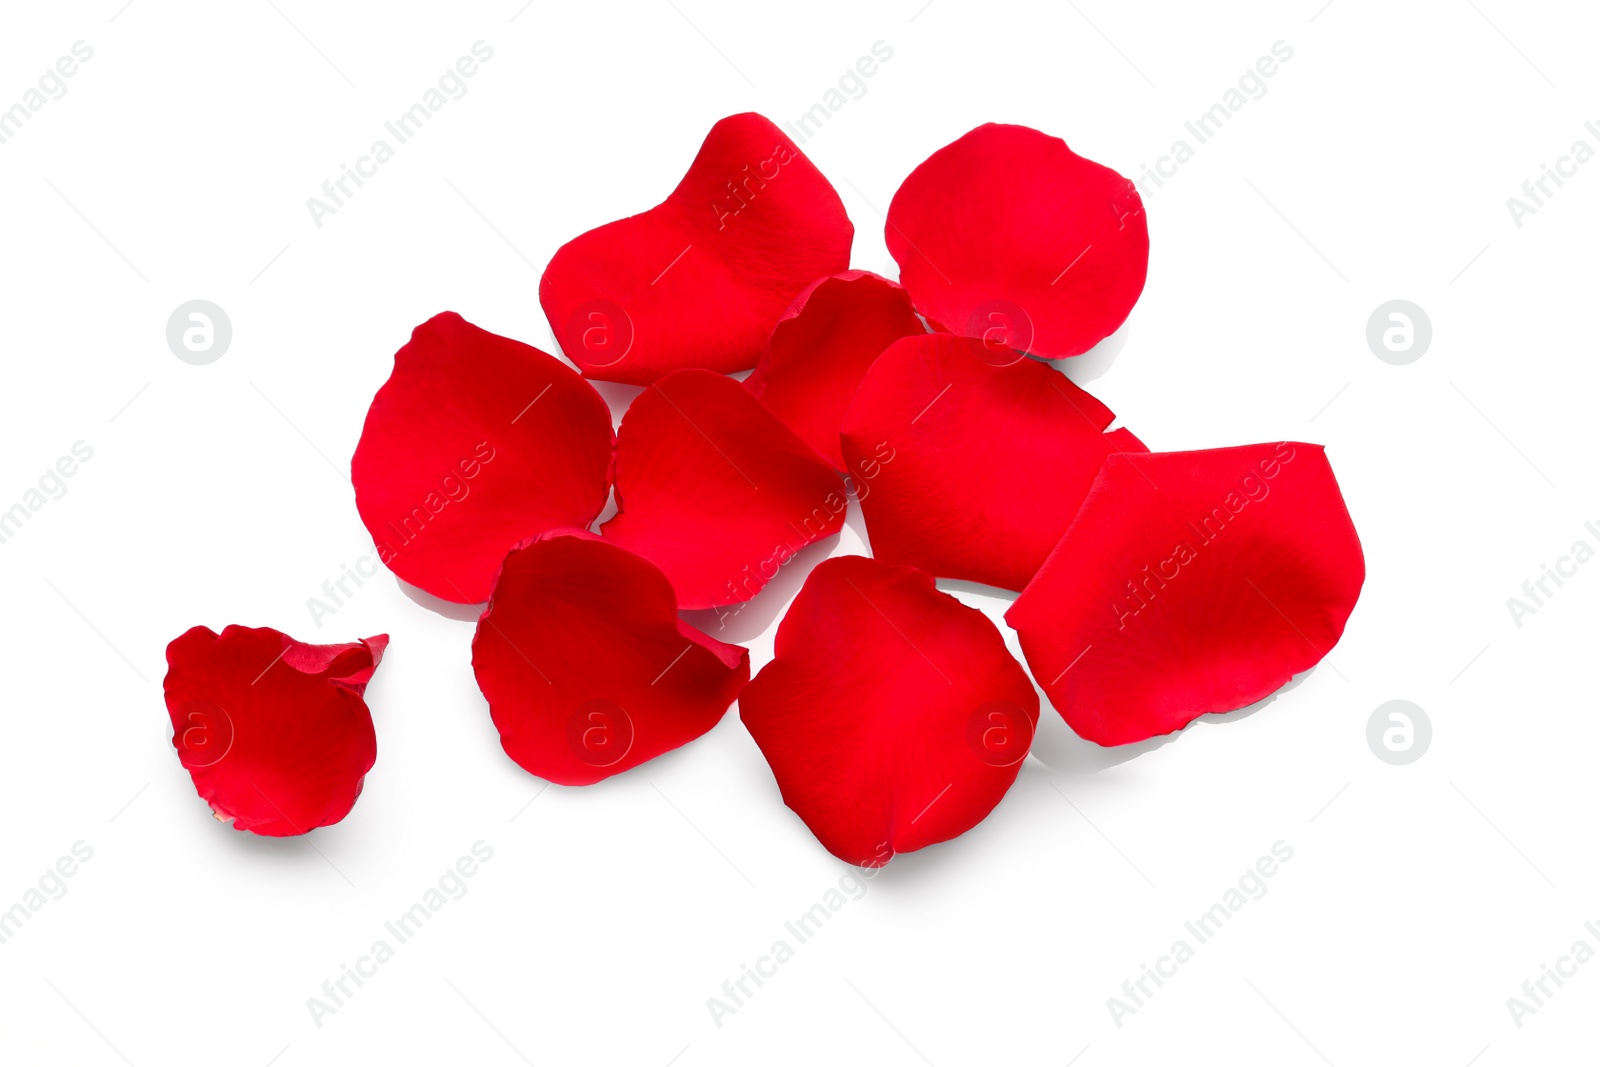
x=698, y=280
x=892, y=715
x=475, y=443
x=273, y=731
x=822, y=346
x=715, y=491
x=586, y=666
x=1009, y=235
x=1190, y=583
x=969, y=469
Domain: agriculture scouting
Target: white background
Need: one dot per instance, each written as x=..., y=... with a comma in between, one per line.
x=1377, y=166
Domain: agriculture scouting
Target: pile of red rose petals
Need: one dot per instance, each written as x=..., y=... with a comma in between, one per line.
x=1155, y=587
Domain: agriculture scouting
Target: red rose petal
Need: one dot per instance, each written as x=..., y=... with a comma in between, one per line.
x=892, y=715
x=822, y=346
x=715, y=491
x=1190, y=582
x=475, y=443
x=1008, y=233
x=699, y=280
x=586, y=666
x=971, y=470
x=273, y=731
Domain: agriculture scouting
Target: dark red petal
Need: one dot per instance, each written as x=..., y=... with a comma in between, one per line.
x=698, y=280
x=892, y=714
x=822, y=346
x=476, y=442
x=586, y=666
x=272, y=730
x=971, y=470
x=1008, y=233
x=715, y=491
x=1190, y=582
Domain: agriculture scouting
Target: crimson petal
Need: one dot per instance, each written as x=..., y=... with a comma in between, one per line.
x=822, y=346
x=274, y=732
x=475, y=443
x=586, y=666
x=968, y=469
x=892, y=715
x=698, y=280
x=1190, y=582
x=715, y=491
x=1007, y=233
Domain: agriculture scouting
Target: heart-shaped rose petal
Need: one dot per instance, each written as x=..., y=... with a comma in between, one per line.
x=698, y=280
